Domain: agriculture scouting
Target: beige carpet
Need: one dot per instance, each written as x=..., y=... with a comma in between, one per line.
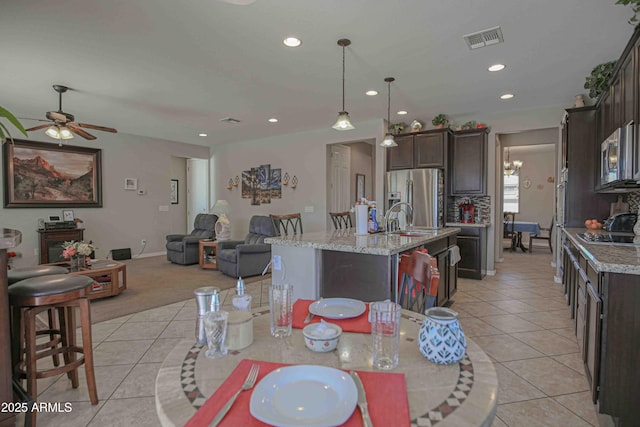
x=153, y=282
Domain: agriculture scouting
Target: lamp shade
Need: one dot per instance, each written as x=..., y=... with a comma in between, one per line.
x=220, y=207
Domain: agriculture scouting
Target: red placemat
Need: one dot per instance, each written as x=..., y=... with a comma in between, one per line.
x=379, y=386
x=356, y=324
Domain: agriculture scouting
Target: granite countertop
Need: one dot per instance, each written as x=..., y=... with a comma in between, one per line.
x=373, y=244
x=607, y=257
x=10, y=238
x=483, y=224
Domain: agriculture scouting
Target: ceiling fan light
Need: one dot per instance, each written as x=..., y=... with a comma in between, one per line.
x=343, y=122
x=58, y=132
x=388, y=141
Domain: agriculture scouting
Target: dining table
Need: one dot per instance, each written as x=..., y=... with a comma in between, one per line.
x=520, y=227
x=460, y=394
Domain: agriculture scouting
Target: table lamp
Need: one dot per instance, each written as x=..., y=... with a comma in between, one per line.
x=223, y=225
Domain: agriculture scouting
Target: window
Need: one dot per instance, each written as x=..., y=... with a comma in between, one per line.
x=511, y=193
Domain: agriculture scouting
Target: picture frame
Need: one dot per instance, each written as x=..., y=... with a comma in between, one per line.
x=359, y=186
x=130, y=183
x=67, y=215
x=43, y=175
x=173, y=194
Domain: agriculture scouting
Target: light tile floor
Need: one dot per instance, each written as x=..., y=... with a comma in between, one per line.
x=519, y=317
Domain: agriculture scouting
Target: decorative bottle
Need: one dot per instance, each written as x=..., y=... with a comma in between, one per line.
x=240, y=300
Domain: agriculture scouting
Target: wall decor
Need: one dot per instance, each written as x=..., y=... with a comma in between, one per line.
x=130, y=184
x=230, y=184
x=43, y=175
x=261, y=184
x=294, y=181
x=285, y=179
x=236, y=181
x=173, y=192
x=359, y=186
x=67, y=215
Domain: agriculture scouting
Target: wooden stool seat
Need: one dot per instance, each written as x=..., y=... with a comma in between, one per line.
x=62, y=292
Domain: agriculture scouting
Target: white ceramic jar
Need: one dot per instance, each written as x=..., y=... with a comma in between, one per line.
x=441, y=339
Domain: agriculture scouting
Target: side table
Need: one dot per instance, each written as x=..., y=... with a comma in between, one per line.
x=208, y=259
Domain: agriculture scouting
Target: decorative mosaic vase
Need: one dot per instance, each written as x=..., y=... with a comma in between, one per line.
x=441, y=339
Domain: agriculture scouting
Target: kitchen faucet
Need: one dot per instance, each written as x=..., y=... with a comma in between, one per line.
x=387, y=228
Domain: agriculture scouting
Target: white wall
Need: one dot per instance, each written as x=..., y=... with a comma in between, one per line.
x=362, y=163
x=125, y=217
x=303, y=155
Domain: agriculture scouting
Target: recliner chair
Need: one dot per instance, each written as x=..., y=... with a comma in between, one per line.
x=250, y=256
x=183, y=248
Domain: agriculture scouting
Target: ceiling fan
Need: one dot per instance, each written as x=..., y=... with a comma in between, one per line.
x=61, y=125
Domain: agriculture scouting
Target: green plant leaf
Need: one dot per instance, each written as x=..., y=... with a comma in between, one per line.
x=14, y=121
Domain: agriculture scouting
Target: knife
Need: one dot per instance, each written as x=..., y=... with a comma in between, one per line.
x=362, y=400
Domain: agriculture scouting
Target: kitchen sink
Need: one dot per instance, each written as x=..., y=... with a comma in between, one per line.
x=412, y=233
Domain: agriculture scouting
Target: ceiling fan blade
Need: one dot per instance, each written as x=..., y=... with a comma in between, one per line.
x=38, y=127
x=73, y=128
x=96, y=127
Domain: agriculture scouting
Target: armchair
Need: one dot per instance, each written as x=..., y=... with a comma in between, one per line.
x=250, y=256
x=183, y=248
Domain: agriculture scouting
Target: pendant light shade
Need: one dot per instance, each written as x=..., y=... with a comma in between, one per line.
x=343, y=122
x=388, y=140
x=511, y=167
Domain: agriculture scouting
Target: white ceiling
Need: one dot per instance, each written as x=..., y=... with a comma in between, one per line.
x=172, y=69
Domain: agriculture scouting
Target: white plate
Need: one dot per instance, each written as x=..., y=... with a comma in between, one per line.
x=304, y=395
x=337, y=308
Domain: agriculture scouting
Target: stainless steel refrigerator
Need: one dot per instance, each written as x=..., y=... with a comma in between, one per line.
x=423, y=189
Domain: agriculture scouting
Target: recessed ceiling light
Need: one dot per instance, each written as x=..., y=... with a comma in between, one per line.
x=402, y=113
x=292, y=42
x=507, y=96
x=371, y=92
x=273, y=120
x=496, y=67
x=202, y=134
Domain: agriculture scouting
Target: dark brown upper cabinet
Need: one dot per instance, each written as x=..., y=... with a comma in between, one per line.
x=426, y=149
x=468, y=163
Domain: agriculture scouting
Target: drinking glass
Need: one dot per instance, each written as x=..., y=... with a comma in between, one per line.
x=215, y=326
x=281, y=309
x=385, y=333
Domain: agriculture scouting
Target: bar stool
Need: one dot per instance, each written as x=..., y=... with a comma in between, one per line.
x=419, y=283
x=63, y=292
x=16, y=275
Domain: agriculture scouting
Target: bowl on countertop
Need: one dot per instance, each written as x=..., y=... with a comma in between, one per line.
x=322, y=337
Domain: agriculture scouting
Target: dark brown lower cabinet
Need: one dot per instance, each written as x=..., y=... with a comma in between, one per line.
x=472, y=242
x=605, y=307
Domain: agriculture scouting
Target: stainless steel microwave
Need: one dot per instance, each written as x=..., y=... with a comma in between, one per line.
x=617, y=158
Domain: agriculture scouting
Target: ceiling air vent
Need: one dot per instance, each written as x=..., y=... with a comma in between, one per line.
x=484, y=38
x=230, y=120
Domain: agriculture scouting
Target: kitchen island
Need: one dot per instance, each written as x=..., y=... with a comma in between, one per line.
x=341, y=264
x=602, y=286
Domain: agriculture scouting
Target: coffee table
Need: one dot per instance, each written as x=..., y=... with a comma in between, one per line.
x=110, y=277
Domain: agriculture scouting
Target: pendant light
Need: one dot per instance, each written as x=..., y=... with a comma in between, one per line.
x=511, y=167
x=388, y=140
x=343, y=122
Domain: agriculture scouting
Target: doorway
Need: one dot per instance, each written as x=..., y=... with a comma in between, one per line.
x=531, y=190
x=197, y=189
x=350, y=165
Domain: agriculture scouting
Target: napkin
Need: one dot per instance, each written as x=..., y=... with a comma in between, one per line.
x=378, y=385
x=355, y=324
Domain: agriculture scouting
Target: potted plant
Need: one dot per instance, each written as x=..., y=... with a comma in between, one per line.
x=598, y=81
x=440, y=121
x=471, y=124
x=396, y=128
x=635, y=7
x=4, y=132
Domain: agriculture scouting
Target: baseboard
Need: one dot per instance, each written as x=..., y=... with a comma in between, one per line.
x=557, y=279
x=491, y=272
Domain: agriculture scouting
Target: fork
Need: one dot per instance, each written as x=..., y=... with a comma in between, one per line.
x=248, y=384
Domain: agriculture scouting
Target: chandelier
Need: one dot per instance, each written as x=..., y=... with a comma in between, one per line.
x=512, y=167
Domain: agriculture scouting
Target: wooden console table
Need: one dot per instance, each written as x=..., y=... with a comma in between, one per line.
x=110, y=276
x=204, y=261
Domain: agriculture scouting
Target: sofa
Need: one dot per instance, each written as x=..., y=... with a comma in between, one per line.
x=183, y=248
x=250, y=256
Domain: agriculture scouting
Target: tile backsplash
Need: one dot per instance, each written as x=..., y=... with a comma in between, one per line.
x=633, y=199
x=482, y=204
